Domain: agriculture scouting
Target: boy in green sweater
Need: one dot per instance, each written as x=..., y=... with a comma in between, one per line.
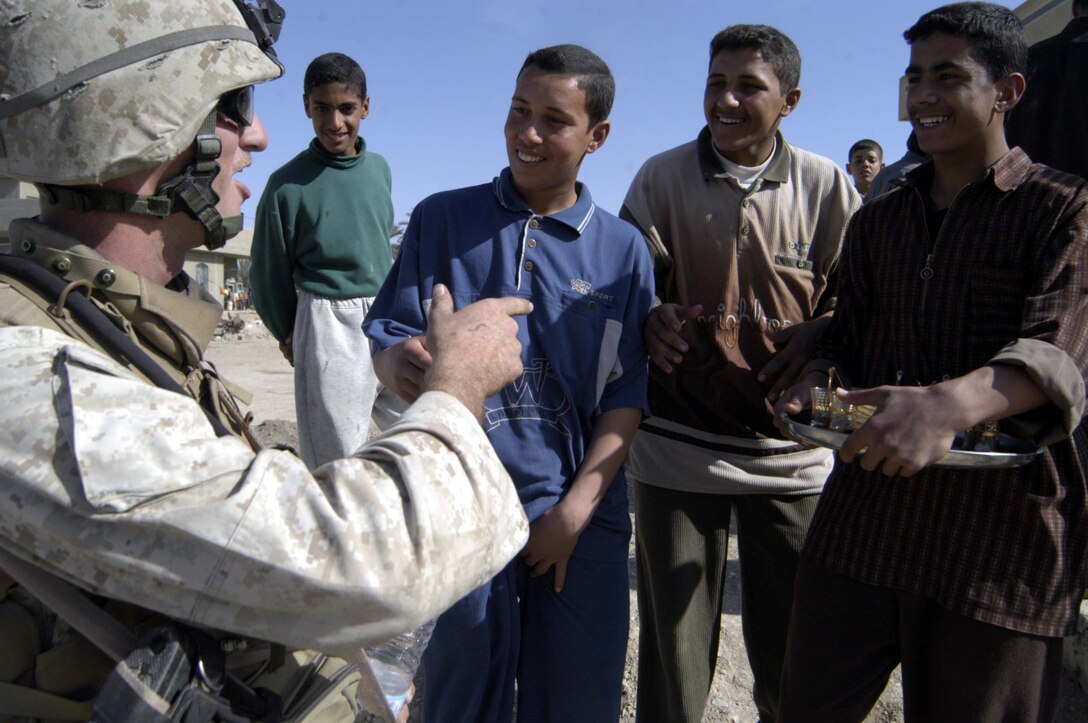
x=320, y=253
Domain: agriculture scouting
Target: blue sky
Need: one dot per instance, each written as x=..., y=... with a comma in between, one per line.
x=440, y=76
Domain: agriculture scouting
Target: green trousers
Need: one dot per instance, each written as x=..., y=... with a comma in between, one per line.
x=682, y=545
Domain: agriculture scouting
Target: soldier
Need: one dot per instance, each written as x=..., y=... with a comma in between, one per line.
x=124, y=465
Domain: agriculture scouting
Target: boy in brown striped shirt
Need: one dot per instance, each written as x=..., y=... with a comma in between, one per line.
x=961, y=301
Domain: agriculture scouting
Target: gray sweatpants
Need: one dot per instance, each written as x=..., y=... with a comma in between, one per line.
x=336, y=390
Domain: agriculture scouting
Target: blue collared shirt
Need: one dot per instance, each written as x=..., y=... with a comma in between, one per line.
x=590, y=279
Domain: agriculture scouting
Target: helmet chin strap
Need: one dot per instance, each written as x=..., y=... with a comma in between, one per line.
x=190, y=192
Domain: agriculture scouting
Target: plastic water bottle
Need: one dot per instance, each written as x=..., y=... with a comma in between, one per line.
x=396, y=661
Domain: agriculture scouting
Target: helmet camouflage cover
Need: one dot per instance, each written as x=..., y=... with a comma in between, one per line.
x=91, y=90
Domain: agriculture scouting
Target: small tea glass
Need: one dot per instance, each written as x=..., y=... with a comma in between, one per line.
x=981, y=437
x=821, y=406
x=842, y=415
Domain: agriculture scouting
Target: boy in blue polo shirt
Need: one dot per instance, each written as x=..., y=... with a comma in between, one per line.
x=556, y=619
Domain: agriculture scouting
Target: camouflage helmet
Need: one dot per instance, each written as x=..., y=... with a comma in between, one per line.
x=94, y=90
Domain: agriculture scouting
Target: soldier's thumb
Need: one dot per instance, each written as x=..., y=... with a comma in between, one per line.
x=441, y=302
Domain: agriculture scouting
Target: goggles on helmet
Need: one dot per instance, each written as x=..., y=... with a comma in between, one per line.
x=265, y=19
x=237, y=105
x=87, y=93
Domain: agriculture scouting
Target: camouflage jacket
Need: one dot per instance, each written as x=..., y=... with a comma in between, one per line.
x=124, y=489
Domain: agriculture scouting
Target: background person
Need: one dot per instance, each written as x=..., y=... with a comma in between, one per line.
x=890, y=175
x=1051, y=121
x=864, y=161
x=320, y=253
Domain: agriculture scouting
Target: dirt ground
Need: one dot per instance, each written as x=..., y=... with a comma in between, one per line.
x=249, y=357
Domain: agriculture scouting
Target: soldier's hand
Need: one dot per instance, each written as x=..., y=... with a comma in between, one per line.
x=662, y=334
x=475, y=352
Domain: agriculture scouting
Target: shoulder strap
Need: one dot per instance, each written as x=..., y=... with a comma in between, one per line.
x=92, y=318
x=20, y=701
x=72, y=605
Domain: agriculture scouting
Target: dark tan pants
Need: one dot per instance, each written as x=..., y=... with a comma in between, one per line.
x=847, y=637
x=683, y=541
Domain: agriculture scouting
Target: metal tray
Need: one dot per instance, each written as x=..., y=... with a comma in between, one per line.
x=1012, y=451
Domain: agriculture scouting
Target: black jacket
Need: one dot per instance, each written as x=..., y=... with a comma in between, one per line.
x=1051, y=120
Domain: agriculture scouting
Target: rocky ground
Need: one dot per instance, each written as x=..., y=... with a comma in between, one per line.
x=247, y=355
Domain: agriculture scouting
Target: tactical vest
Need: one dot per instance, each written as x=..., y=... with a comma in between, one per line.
x=32, y=296
x=48, y=671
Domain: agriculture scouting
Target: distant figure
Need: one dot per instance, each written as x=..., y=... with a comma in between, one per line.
x=323, y=229
x=863, y=163
x=889, y=175
x=1051, y=122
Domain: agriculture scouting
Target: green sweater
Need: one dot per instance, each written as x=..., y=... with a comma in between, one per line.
x=323, y=226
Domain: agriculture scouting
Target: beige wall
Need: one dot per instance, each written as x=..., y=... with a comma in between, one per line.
x=221, y=264
x=1043, y=18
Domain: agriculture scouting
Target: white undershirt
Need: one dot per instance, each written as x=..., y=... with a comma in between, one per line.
x=745, y=175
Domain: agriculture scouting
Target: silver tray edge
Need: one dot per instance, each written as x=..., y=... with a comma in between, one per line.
x=956, y=458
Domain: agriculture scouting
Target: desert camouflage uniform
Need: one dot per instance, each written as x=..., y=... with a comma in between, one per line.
x=124, y=489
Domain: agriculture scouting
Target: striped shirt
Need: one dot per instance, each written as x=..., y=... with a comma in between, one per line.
x=1003, y=281
x=757, y=259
